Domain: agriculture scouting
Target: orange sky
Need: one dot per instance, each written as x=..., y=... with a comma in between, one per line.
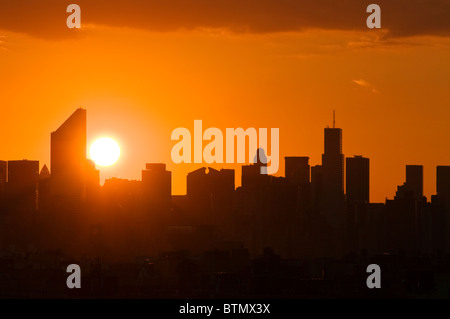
x=138, y=83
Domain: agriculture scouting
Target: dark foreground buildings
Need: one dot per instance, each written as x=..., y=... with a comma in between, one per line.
x=296, y=236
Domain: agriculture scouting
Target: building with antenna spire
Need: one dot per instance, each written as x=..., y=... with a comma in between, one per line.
x=333, y=198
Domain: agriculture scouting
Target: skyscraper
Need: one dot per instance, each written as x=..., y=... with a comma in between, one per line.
x=297, y=172
x=443, y=196
x=254, y=175
x=157, y=185
x=414, y=180
x=333, y=176
x=44, y=195
x=68, y=158
x=333, y=161
x=357, y=191
x=297, y=169
x=2, y=173
x=23, y=177
x=443, y=180
x=203, y=182
x=210, y=193
x=316, y=185
x=357, y=179
x=332, y=200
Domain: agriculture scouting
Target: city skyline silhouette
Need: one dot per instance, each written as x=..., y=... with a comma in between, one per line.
x=106, y=170
x=64, y=213
x=134, y=135
x=333, y=137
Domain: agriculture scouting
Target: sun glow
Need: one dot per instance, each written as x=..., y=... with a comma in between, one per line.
x=104, y=151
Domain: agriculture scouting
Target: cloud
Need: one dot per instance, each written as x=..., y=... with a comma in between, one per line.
x=3, y=43
x=47, y=18
x=361, y=83
x=364, y=84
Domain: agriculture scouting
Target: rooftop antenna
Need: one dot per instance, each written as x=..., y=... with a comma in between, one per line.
x=334, y=117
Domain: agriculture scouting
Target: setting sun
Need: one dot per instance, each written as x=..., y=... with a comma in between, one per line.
x=104, y=151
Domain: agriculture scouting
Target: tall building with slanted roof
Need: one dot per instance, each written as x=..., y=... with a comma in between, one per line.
x=69, y=165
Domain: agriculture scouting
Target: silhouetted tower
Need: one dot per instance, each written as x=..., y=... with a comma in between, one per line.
x=357, y=179
x=44, y=195
x=157, y=185
x=443, y=180
x=443, y=194
x=203, y=182
x=332, y=201
x=316, y=185
x=210, y=193
x=3, y=176
x=253, y=175
x=297, y=169
x=92, y=180
x=2, y=172
x=333, y=175
x=23, y=177
x=297, y=172
x=68, y=158
x=357, y=191
x=414, y=180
